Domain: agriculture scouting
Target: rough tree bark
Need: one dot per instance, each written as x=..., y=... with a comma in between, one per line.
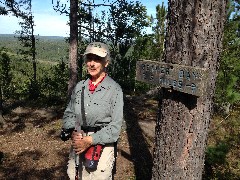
x=73, y=49
x=194, y=35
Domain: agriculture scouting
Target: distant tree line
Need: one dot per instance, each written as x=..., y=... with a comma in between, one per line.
x=52, y=49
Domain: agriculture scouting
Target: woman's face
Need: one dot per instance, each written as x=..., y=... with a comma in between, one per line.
x=95, y=65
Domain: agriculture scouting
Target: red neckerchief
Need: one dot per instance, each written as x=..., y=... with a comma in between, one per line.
x=92, y=87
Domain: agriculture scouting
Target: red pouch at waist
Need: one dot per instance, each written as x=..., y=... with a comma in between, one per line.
x=92, y=156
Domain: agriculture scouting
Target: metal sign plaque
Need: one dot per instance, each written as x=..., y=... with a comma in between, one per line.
x=187, y=79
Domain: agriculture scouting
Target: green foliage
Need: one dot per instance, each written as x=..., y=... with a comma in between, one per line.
x=126, y=21
x=142, y=88
x=160, y=30
x=216, y=155
x=5, y=73
x=52, y=49
x=125, y=24
x=33, y=90
x=151, y=46
x=145, y=47
x=48, y=48
x=54, y=85
x=16, y=76
x=124, y=73
x=222, y=154
x=228, y=82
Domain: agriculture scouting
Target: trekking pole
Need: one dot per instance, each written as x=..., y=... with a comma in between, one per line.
x=76, y=174
x=78, y=129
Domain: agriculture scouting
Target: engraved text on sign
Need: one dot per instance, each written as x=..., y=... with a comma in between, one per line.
x=185, y=79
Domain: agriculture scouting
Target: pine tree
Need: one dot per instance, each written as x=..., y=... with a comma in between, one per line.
x=160, y=30
x=228, y=81
x=193, y=38
x=5, y=79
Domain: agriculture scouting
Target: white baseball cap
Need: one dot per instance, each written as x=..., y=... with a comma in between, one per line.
x=97, y=48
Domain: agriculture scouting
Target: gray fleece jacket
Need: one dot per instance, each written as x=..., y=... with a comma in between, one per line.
x=103, y=107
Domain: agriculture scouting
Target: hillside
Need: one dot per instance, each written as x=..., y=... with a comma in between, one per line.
x=49, y=48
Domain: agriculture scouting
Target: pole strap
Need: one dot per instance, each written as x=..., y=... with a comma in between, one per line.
x=82, y=107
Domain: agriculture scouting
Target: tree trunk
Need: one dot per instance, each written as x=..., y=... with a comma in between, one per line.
x=194, y=35
x=33, y=50
x=73, y=50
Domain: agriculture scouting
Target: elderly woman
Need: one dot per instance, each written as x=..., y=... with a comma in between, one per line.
x=96, y=107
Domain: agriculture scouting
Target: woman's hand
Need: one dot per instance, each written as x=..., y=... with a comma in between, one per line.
x=80, y=143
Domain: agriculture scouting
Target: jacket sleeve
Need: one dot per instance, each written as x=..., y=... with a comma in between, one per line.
x=110, y=133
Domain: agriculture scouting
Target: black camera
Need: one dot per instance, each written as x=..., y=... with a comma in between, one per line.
x=66, y=134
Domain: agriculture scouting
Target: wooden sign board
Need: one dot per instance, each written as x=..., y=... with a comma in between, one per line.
x=187, y=79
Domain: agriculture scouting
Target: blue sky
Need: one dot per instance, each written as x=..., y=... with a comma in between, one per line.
x=51, y=23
